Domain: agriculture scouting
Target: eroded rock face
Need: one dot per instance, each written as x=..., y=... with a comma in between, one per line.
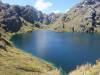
x=29, y=14
x=32, y=15
x=89, y=2
x=12, y=23
x=97, y=0
x=9, y=18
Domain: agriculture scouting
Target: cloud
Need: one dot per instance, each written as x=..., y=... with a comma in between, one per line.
x=67, y=10
x=57, y=11
x=42, y=5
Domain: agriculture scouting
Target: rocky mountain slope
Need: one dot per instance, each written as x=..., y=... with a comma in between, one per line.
x=13, y=17
x=84, y=17
x=81, y=17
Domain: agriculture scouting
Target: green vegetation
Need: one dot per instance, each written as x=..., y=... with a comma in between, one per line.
x=26, y=27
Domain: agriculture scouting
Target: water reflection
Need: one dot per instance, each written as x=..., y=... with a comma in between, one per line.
x=41, y=43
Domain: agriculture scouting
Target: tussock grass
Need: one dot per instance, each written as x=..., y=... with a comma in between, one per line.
x=87, y=69
x=15, y=62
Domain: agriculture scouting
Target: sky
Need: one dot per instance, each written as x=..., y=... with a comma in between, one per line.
x=46, y=6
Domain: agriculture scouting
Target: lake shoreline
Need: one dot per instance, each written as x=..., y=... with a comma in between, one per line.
x=42, y=30
x=32, y=30
x=22, y=52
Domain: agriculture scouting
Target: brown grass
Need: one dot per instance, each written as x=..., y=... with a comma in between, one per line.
x=87, y=69
x=15, y=62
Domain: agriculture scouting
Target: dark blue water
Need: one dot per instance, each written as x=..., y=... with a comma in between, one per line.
x=65, y=50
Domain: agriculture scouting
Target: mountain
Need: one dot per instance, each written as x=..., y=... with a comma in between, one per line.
x=11, y=17
x=84, y=16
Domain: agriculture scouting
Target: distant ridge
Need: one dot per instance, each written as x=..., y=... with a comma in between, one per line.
x=81, y=17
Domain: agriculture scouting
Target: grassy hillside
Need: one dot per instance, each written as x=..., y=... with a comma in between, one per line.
x=15, y=62
x=26, y=27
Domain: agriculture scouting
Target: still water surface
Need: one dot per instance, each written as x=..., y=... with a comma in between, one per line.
x=66, y=50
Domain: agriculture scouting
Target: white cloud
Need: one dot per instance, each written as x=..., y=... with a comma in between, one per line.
x=57, y=11
x=67, y=10
x=42, y=4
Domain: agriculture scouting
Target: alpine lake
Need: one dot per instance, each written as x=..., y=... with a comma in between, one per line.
x=65, y=50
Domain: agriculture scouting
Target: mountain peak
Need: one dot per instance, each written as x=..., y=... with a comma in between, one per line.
x=90, y=2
